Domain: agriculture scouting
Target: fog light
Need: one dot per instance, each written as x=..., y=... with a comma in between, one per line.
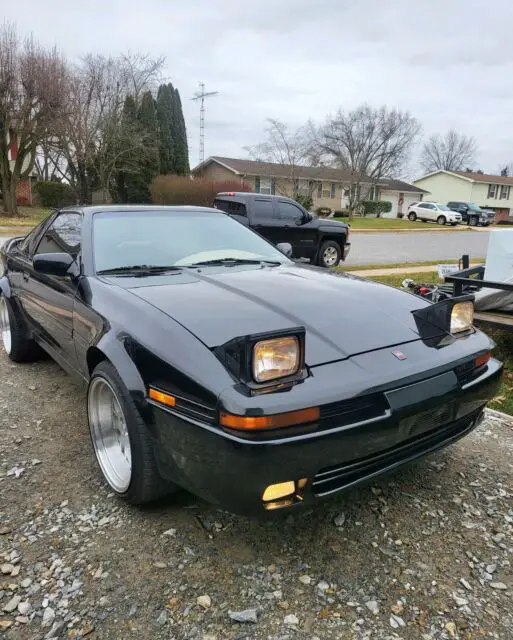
x=280, y=490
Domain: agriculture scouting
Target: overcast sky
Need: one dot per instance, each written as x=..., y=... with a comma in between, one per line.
x=449, y=62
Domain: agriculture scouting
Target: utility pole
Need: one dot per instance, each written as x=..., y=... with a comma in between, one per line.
x=201, y=95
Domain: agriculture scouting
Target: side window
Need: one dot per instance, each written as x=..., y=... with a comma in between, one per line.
x=288, y=211
x=263, y=209
x=63, y=235
x=424, y=205
x=228, y=206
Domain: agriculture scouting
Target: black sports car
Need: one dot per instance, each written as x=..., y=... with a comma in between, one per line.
x=215, y=363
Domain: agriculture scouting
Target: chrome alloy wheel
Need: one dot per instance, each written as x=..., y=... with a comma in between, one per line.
x=5, y=326
x=330, y=256
x=109, y=433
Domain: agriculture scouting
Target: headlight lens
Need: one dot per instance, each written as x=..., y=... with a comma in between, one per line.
x=275, y=358
x=462, y=317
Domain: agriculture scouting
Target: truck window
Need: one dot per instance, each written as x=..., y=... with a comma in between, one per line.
x=263, y=209
x=288, y=211
x=234, y=208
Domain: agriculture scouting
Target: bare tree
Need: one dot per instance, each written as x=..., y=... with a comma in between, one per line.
x=368, y=144
x=452, y=152
x=290, y=149
x=33, y=86
x=93, y=138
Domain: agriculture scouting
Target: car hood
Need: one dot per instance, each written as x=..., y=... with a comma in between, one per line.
x=343, y=315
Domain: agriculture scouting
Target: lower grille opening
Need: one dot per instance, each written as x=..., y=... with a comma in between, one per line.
x=333, y=479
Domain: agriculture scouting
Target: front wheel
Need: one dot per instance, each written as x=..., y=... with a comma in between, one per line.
x=441, y=220
x=473, y=221
x=121, y=441
x=15, y=339
x=412, y=216
x=330, y=254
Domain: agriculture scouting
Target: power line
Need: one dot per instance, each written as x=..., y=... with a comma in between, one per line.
x=201, y=95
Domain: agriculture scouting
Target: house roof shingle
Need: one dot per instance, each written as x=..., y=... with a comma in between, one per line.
x=484, y=177
x=257, y=168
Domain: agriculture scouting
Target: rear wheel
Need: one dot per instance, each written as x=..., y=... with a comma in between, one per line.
x=441, y=220
x=330, y=254
x=412, y=216
x=121, y=441
x=15, y=340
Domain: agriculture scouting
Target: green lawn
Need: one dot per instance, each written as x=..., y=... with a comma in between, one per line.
x=397, y=265
x=394, y=223
x=503, y=401
x=29, y=217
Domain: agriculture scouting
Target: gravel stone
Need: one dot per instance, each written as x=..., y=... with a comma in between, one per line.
x=204, y=601
x=12, y=605
x=247, y=615
x=372, y=606
x=291, y=619
x=48, y=617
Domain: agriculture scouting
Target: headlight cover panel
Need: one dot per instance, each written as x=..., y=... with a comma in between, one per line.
x=435, y=319
x=237, y=357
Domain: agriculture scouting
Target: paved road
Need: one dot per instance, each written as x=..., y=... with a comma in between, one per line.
x=383, y=248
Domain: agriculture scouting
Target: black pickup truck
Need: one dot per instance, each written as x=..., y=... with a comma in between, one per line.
x=279, y=219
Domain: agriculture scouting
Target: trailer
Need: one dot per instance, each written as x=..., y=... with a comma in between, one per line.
x=471, y=280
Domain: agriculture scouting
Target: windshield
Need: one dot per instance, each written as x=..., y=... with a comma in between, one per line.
x=474, y=207
x=174, y=239
x=443, y=207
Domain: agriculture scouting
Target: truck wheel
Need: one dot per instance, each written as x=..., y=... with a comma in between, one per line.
x=18, y=346
x=441, y=220
x=473, y=221
x=121, y=441
x=412, y=216
x=330, y=254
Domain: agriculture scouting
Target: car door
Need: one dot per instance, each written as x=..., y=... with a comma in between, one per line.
x=426, y=211
x=48, y=300
x=264, y=219
x=296, y=230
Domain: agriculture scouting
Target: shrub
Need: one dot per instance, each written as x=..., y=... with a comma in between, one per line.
x=376, y=207
x=182, y=190
x=344, y=213
x=305, y=201
x=323, y=212
x=54, y=194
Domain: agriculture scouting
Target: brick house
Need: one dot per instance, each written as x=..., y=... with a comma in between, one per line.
x=328, y=187
x=24, y=187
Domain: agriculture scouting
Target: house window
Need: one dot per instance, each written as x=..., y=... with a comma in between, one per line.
x=319, y=190
x=265, y=185
x=333, y=190
x=373, y=193
x=492, y=190
x=504, y=192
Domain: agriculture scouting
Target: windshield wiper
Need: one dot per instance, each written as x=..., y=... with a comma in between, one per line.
x=234, y=261
x=138, y=270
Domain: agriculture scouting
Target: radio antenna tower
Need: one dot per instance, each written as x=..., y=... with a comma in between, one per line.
x=201, y=95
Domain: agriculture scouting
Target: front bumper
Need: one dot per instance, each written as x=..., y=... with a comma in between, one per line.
x=232, y=471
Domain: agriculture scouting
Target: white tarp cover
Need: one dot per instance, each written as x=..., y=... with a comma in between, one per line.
x=499, y=268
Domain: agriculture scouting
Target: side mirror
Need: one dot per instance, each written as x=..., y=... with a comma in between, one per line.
x=53, y=264
x=286, y=248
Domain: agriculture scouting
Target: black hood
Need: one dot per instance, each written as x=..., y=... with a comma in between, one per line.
x=342, y=315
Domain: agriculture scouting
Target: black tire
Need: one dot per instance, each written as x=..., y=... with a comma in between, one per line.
x=23, y=348
x=423, y=220
x=412, y=216
x=453, y=224
x=441, y=220
x=473, y=221
x=329, y=254
x=146, y=484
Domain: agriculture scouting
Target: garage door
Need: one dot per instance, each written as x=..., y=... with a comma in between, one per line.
x=395, y=201
x=407, y=201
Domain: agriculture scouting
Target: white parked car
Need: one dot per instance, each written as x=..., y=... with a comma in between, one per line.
x=434, y=211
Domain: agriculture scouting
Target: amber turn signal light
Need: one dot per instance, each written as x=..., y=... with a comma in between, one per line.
x=251, y=423
x=482, y=359
x=161, y=397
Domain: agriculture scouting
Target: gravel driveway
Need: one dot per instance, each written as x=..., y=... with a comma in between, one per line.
x=423, y=554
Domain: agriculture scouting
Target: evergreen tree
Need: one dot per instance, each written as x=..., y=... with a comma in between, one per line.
x=122, y=179
x=180, y=138
x=165, y=117
x=148, y=164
